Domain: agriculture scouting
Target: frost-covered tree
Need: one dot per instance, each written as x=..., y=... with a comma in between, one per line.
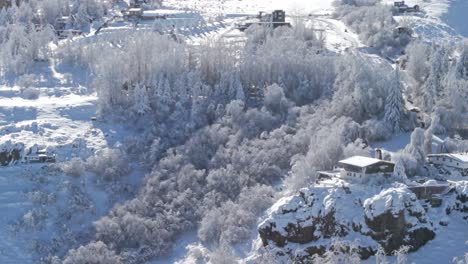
x=394, y=104
x=380, y=256
x=110, y=164
x=400, y=254
x=93, y=253
x=141, y=104
x=418, y=61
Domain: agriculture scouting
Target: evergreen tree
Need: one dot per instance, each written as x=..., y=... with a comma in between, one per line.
x=394, y=105
x=461, y=68
x=141, y=105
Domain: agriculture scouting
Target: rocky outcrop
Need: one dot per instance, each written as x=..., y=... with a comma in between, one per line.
x=10, y=153
x=392, y=218
x=392, y=232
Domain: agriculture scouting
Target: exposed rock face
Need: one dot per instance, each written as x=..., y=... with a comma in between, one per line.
x=392, y=232
x=10, y=153
x=369, y=216
x=7, y=3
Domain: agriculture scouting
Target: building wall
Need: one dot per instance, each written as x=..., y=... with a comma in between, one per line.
x=447, y=161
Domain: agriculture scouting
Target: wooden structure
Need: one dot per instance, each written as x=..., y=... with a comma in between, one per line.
x=134, y=13
x=402, y=7
x=276, y=19
x=430, y=189
x=359, y=167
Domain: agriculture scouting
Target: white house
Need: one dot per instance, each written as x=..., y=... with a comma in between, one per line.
x=360, y=167
x=459, y=161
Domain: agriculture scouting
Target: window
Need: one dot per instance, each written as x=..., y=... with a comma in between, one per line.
x=443, y=159
x=458, y=164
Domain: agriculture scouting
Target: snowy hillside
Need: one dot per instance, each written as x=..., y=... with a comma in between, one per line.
x=161, y=131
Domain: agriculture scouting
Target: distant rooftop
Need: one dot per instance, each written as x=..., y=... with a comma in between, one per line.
x=361, y=161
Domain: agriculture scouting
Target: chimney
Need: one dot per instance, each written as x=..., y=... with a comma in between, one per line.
x=378, y=154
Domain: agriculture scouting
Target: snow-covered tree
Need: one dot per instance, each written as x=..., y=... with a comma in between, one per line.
x=400, y=254
x=93, y=253
x=141, y=105
x=380, y=256
x=394, y=104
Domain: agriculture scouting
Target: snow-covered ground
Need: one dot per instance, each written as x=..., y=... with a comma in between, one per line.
x=35, y=198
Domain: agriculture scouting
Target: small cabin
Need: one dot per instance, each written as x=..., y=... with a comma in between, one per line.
x=452, y=160
x=134, y=12
x=279, y=16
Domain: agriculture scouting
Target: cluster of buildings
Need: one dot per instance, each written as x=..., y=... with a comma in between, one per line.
x=39, y=155
x=361, y=169
x=364, y=168
x=402, y=7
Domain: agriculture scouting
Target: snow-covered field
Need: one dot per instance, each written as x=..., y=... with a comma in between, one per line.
x=62, y=117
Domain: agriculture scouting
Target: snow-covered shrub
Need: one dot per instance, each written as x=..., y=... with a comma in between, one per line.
x=26, y=80
x=231, y=223
x=339, y=252
x=75, y=167
x=375, y=130
x=110, y=164
x=223, y=255
x=93, y=253
x=275, y=100
x=30, y=93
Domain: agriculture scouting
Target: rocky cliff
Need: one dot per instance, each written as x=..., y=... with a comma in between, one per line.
x=369, y=216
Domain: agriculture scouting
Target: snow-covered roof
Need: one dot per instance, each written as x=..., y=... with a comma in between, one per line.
x=457, y=156
x=361, y=161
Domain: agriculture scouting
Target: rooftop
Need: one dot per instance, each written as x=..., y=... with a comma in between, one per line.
x=361, y=161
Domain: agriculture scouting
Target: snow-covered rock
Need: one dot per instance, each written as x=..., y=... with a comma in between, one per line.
x=10, y=152
x=367, y=215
